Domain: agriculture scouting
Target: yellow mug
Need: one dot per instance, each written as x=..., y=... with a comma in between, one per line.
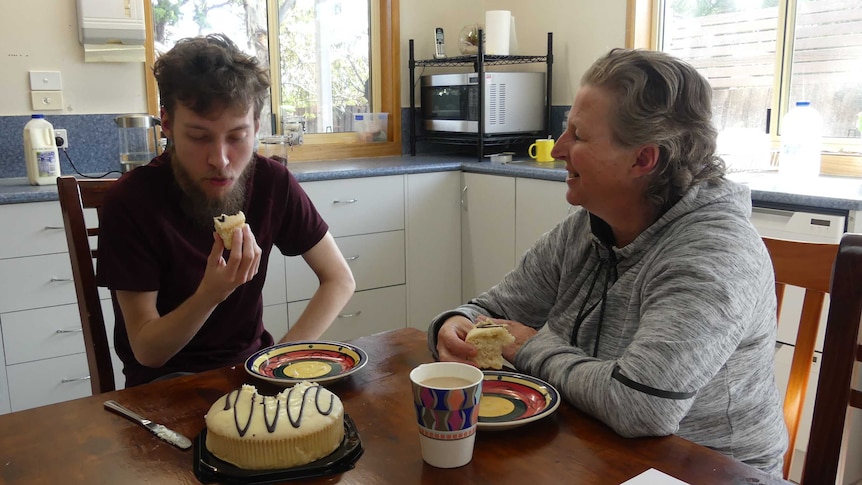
x=541, y=150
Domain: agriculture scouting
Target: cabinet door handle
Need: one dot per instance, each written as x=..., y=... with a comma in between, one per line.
x=66, y=380
x=463, y=199
x=350, y=315
x=351, y=258
x=54, y=228
x=68, y=330
x=346, y=201
x=55, y=279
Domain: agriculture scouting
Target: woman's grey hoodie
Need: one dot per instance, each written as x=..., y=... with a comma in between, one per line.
x=671, y=334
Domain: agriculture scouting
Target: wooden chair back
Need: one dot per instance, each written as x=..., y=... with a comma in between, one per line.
x=75, y=196
x=809, y=266
x=841, y=352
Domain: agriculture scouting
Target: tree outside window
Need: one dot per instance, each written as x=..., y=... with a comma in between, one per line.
x=322, y=75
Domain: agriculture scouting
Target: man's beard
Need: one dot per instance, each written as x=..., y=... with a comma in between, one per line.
x=198, y=207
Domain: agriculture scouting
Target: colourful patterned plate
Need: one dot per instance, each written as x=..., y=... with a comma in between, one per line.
x=510, y=400
x=318, y=361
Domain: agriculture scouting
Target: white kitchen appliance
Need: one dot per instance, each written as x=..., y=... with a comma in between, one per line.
x=810, y=227
x=514, y=102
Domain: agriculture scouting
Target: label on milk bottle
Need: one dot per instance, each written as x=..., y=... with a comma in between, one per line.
x=46, y=160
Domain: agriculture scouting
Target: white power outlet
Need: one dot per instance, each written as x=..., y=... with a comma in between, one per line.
x=64, y=139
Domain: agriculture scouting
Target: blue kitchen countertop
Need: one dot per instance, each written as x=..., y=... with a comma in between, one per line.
x=842, y=193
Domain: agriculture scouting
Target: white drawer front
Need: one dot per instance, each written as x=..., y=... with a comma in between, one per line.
x=359, y=206
x=367, y=312
x=274, y=290
x=47, y=332
x=376, y=260
x=275, y=320
x=48, y=381
x=36, y=282
x=37, y=228
x=4, y=386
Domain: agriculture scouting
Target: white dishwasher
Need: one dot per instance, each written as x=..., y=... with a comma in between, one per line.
x=811, y=227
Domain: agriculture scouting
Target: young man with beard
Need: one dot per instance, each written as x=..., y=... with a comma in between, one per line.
x=652, y=306
x=181, y=302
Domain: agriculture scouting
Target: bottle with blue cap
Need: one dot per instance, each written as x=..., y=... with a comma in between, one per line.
x=40, y=151
x=801, y=142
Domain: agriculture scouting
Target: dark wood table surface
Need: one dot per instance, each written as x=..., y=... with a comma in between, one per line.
x=80, y=442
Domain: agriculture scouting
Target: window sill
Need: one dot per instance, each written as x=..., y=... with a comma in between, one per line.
x=337, y=151
x=842, y=164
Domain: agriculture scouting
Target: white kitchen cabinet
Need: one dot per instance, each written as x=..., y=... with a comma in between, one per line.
x=359, y=206
x=366, y=216
x=48, y=381
x=487, y=231
x=433, y=245
x=539, y=206
x=38, y=310
x=43, y=333
x=5, y=406
x=275, y=320
x=368, y=312
x=275, y=296
x=32, y=229
x=375, y=259
x=275, y=286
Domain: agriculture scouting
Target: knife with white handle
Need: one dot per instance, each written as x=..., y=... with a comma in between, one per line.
x=159, y=430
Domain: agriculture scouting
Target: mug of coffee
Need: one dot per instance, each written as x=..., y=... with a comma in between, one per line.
x=541, y=150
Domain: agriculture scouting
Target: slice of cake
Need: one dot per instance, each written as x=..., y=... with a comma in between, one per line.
x=489, y=338
x=295, y=427
x=225, y=225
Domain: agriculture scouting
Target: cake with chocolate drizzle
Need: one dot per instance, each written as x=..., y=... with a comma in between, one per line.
x=295, y=427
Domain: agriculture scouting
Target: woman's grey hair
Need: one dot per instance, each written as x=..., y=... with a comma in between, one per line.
x=662, y=100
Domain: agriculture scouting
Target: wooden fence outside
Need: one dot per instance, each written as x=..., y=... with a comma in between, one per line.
x=737, y=53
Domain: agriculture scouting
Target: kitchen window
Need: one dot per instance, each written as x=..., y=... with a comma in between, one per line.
x=328, y=59
x=762, y=56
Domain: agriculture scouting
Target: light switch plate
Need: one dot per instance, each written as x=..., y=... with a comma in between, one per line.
x=47, y=100
x=46, y=81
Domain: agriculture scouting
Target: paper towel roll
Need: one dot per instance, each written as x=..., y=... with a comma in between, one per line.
x=497, y=25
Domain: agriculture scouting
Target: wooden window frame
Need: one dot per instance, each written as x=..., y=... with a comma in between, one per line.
x=386, y=65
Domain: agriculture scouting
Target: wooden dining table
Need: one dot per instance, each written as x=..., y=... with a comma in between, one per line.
x=80, y=442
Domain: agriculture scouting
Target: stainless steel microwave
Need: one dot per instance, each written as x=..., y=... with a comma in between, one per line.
x=514, y=102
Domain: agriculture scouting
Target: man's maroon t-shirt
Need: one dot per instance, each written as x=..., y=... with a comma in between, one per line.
x=146, y=243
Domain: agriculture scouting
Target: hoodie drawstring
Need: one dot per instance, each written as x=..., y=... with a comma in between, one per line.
x=609, y=265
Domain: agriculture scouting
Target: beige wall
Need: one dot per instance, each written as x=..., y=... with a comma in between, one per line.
x=43, y=35
x=583, y=30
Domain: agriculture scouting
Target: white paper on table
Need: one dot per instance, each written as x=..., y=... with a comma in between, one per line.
x=653, y=477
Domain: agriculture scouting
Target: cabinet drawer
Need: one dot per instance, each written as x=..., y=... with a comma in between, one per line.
x=275, y=320
x=367, y=312
x=38, y=229
x=376, y=260
x=274, y=290
x=48, y=381
x=359, y=206
x=47, y=332
x=36, y=282
x=4, y=386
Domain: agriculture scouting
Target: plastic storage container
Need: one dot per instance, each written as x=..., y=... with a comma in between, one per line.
x=40, y=152
x=801, y=141
x=371, y=127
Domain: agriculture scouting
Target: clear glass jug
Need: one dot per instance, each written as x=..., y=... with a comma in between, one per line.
x=139, y=142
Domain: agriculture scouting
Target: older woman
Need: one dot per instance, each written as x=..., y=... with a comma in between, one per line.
x=652, y=306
